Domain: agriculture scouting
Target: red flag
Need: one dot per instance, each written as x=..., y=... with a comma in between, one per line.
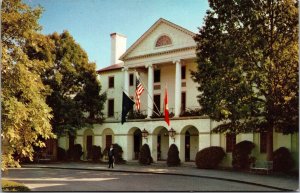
x=166, y=108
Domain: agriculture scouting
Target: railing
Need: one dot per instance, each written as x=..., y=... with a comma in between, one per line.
x=191, y=111
x=187, y=112
x=161, y=113
x=137, y=115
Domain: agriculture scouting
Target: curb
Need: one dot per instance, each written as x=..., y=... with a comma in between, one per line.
x=166, y=173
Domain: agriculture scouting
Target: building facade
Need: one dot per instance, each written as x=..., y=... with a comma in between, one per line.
x=164, y=57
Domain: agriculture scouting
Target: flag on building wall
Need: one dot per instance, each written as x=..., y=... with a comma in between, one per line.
x=138, y=92
x=127, y=105
x=166, y=108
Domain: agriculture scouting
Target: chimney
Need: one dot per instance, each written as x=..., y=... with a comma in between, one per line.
x=118, y=47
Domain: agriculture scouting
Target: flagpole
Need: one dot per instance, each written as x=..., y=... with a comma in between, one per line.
x=148, y=94
x=120, y=115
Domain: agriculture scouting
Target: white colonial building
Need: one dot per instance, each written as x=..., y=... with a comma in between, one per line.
x=163, y=56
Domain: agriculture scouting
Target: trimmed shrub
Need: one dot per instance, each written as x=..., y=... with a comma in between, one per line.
x=173, y=156
x=61, y=154
x=10, y=186
x=210, y=157
x=75, y=153
x=145, y=155
x=94, y=153
x=118, y=154
x=240, y=155
x=282, y=160
x=118, y=151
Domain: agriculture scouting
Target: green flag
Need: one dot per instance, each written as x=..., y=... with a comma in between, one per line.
x=127, y=105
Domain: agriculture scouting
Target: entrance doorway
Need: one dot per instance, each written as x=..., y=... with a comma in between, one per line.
x=162, y=144
x=187, y=145
x=137, y=143
x=89, y=142
x=191, y=143
x=108, y=141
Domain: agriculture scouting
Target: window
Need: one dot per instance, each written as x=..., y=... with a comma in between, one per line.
x=183, y=101
x=157, y=103
x=163, y=41
x=111, y=82
x=156, y=75
x=110, y=112
x=183, y=72
x=131, y=80
x=263, y=142
x=230, y=142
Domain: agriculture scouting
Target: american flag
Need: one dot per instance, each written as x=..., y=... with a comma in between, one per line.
x=138, y=92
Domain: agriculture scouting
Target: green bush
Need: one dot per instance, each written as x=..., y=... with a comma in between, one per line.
x=173, y=156
x=94, y=153
x=282, y=160
x=210, y=157
x=118, y=151
x=241, y=155
x=118, y=154
x=75, y=153
x=10, y=186
x=61, y=154
x=145, y=155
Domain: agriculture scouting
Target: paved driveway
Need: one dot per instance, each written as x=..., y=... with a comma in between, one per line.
x=45, y=179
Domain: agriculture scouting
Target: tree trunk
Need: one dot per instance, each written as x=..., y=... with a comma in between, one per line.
x=270, y=145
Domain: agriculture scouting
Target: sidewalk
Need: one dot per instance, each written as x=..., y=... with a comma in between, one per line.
x=280, y=182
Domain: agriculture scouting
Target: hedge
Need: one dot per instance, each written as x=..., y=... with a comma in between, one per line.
x=145, y=155
x=241, y=155
x=10, y=186
x=210, y=157
x=282, y=160
x=173, y=156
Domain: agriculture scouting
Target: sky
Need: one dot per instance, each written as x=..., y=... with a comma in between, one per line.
x=91, y=22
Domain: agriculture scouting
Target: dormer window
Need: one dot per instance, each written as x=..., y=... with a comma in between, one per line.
x=163, y=41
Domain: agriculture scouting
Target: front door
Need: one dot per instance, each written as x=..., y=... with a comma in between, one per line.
x=159, y=147
x=108, y=141
x=187, y=146
x=89, y=142
x=137, y=140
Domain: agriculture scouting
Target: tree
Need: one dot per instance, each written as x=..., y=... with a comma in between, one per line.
x=25, y=114
x=248, y=66
x=76, y=99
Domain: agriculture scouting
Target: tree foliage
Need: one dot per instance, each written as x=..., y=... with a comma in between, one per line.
x=76, y=99
x=25, y=114
x=248, y=65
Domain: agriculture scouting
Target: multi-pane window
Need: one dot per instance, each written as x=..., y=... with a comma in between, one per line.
x=183, y=101
x=131, y=80
x=163, y=41
x=110, y=112
x=111, y=82
x=157, y=103
x=263, y=142
x=183, y=72
x=156, y=75
x=230, y=141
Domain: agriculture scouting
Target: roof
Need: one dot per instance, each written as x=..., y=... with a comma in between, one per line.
x=153, y=27
x=111, y=67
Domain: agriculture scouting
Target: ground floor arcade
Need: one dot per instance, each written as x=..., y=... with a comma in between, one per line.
x=191, y=135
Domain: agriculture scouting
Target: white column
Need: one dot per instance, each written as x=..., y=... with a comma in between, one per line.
x=177, y=88
x=126, y=80
x=150, y=90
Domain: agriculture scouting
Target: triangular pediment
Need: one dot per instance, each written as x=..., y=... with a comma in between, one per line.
x=149, y=42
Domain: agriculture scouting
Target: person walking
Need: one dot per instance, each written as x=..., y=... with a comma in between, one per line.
x=111, y=156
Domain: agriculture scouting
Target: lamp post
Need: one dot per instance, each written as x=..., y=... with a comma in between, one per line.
x=145, y=134
x=172, y=133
